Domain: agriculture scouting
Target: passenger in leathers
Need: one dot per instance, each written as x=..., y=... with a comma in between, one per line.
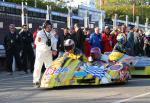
x=12, y=47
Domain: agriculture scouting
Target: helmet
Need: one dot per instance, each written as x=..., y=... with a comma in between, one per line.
x=147, y=34
x=95, y=53
x=69, y=44
x=121, y=38
x=95, y=50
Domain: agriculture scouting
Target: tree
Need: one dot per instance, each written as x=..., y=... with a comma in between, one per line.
x=125, y=7
x=41, y=4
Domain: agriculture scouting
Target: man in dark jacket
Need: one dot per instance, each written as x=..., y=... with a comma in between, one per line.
x=12, y=47
x=60, y=44
x=27, y=49
x=78, y=37
x=130, y=40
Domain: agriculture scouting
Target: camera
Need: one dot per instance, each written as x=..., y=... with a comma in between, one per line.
x=48, y=43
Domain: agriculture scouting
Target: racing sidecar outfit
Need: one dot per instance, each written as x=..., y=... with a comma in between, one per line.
x=68, y=70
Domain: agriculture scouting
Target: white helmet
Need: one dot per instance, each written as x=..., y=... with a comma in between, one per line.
x=147, y=34
x=69, y=44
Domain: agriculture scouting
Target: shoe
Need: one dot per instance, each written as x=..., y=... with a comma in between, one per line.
x=19, y=70
x=26, y=72
x=37, y=84
x=31, y=71
x=10, y=73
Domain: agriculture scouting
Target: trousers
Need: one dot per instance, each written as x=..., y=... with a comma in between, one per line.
x=42, y=57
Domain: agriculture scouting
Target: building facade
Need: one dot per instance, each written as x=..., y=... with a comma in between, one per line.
x=75, y=3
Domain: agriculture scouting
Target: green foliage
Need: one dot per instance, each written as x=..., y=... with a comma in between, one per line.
x=125, y=7
x=41, y=4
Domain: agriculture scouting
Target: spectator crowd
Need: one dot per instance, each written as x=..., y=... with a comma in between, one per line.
x=35, y=51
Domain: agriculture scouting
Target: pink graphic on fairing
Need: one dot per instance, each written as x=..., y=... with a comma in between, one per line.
x=50, y=71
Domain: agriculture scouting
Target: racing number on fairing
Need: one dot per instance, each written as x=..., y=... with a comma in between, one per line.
x=50, y=71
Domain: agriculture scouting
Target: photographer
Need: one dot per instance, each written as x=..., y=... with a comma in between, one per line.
x=46, y=45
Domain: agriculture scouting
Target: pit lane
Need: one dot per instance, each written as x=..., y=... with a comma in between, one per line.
x=18, y=88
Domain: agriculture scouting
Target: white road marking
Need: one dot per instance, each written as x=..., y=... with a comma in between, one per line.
x=15, y=78
x=147, y=79
x=131, y=98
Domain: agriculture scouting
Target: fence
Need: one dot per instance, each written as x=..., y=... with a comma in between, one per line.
x=136, y=24
x=6, y=19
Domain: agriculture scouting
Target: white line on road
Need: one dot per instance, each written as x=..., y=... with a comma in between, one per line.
x=147, y=79
x=15, y=78
x=134, y=97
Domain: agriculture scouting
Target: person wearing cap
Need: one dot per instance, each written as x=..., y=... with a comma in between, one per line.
x=107, y=41
x=62, y=37
x=12, y=46
x=27, y=48
x=147, y=43
x=46, y=44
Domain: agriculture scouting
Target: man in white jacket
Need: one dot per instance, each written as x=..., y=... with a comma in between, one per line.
x=46, y=44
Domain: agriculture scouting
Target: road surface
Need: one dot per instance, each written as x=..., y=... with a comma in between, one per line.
x=18, y=88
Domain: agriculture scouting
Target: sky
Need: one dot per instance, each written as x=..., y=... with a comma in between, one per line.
x=77, y=2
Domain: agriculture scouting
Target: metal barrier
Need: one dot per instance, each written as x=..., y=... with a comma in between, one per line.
x=7, y=19
x=136, y=24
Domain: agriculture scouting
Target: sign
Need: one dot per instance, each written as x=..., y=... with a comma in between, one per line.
x=95, y=17
x=30, y=25
x=91, y=25
x=1, y=25
x=55, y=25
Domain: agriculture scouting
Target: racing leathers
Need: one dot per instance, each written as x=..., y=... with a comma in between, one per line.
x=123, y=48
x=43, y=52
